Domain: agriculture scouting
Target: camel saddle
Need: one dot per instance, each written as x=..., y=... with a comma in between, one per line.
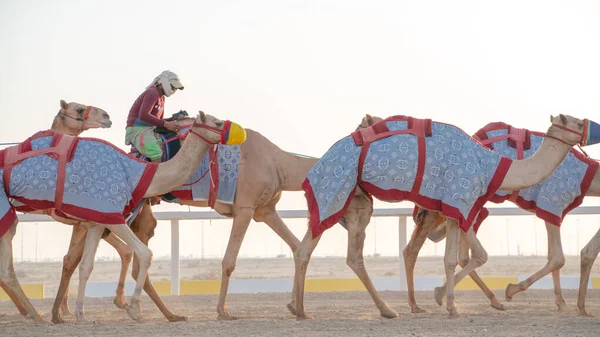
x=420, y=128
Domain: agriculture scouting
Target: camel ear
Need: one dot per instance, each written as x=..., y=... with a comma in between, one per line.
x=63, y=105
x=563, y=119
x=369, y=119
x=202, y=116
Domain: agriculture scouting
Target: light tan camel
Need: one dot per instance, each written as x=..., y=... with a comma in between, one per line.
x=431, y=224
x=521, y=174
x=207, y=130
x=265, y=171
x=72, y=119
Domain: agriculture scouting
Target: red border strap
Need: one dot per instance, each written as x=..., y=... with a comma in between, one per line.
x=214, y=176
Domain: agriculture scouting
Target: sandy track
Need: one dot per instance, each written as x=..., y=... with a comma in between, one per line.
x=336, y=314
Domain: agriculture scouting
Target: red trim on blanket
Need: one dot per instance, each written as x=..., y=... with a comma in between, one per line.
x=7, y=221
x=142, y=187
x=183, y=194
x=317, y=226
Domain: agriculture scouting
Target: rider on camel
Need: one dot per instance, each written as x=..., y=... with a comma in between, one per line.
x=146, y=115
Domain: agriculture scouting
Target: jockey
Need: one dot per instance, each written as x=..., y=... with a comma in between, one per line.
x=146, y=114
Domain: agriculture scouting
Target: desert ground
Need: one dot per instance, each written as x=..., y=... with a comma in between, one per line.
x=531, y=313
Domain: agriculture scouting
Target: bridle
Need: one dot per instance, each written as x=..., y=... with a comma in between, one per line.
x=583, y=135
x=222, y=132
x=86, y=115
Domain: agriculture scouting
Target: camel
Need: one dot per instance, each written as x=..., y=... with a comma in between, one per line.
x=72, y=119
x=141, y=181
x=565, y=132
x=265, y=172
x=432, y=224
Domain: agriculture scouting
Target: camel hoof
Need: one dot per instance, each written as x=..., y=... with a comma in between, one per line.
x=417, y=310
x=42, y=321
x=388, y=313
x=134, y=313
x=497, y=305
x=226, y=317
x=292, y=308
x=58, y=320
x=84, y=321
x=120, y=302
x=438, y=295
x=302, y=317
x=583, y=313
x=511, y=290
x=176, y=318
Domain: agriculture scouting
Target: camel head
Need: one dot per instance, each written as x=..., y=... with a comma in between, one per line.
x=573, y=131
x=75, y=117
x=215, y=131
x=367, y=121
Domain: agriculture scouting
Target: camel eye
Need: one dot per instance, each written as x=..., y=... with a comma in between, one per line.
x=80, y=111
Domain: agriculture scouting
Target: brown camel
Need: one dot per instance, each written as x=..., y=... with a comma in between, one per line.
x=565, y=132
x=265, y=171
x=163, y=177
x=72, y=119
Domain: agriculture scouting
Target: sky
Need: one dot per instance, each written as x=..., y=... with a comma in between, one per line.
x=302, y=73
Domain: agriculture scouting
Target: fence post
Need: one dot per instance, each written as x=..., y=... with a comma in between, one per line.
x=401, y=245
x=175, y=257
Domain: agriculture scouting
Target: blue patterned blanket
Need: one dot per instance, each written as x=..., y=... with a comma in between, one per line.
x=457, y=178
x=554, y=197
x=102, y=183
x=198, y=187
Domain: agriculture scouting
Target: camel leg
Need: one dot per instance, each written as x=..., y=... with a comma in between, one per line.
x=556, y=260
x=14, y=298
x=301, y=260
x=8, y=276
x=144, y=256
x=270, y=216
x=126, y=253
x=463, y=261
x=588, y=256
x=238, y=231
x=145, y=232
x=70, y=262
x=410, y=254
x=92, y=239
x=356, y=225
x=450, y=261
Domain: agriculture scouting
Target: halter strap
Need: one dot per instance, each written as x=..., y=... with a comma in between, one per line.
x=222, y=132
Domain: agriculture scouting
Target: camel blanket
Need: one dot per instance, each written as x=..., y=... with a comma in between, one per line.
x=101, y=182
x=216, y=176
x=436, y=165
x=554, y=197
x=202, y=182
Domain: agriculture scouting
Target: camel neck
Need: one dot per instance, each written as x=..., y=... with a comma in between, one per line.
x=175, y=172
x=531, y=171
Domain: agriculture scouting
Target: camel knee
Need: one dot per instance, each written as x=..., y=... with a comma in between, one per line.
x=227, y=266
x=127, y=256
x=556, y=262
x=145, y=256
x=463, y=261
x=479, y=259
x=355, y=262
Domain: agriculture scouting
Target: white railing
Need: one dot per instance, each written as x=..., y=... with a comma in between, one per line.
x=401, y=213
